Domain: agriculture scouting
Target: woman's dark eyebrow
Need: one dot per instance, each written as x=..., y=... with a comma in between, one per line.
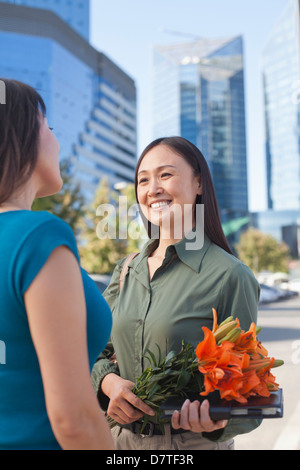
x=159, y=168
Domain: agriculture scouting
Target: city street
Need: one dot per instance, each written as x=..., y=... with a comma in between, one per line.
x=281, y=336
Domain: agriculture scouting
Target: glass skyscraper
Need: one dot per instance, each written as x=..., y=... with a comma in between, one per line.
x=74, y=12
x=91, y=103
x=198, y=93
x=281, y=80
x=281, y=86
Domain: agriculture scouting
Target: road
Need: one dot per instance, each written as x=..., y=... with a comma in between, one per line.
x=281, y=336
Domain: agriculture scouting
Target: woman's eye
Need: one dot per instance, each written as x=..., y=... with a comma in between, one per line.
x=143, y=180
x=165, y=174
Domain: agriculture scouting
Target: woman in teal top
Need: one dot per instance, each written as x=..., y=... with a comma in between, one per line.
x=53, y=319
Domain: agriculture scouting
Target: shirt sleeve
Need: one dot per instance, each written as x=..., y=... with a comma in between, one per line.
x=35, y=250
x=234, y=428
x=112, y=291
x=105, y=364
x=239, y=296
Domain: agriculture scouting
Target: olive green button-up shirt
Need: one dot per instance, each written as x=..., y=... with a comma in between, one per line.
x=173, y=306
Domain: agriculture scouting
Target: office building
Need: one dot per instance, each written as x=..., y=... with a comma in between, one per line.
x=91, y=102
x=198, y=93
x=281, y=81
x=281, y=86
x=76, y=13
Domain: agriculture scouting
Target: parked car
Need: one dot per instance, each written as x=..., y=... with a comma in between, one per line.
x=268, y=294
x=294, y=285
x=274, y=294
x=101, y=281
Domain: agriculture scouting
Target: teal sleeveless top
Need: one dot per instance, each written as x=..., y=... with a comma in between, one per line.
x=26, y=241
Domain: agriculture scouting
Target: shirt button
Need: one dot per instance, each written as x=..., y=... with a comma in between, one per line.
x=140, y=322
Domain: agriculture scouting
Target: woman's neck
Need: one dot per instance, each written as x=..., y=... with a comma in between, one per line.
x=162, y=246
x=9, y=208
x=17, y=204
x=167, y=238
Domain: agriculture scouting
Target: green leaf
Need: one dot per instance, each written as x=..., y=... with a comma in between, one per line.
x=146, y=419
x=159, y=353
x=183, y=380
x=171, y=355
x=153, y=390
x=153, y=358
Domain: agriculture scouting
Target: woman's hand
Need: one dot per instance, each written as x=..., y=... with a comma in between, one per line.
x=124, y=406
x=195, y=417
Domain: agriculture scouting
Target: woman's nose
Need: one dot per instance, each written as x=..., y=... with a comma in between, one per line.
x=154, y=191
x=154, y=187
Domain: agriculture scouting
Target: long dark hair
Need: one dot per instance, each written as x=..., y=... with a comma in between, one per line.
x=19, y=135
x=193, y=156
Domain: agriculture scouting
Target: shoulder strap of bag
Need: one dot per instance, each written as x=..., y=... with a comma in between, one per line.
x=125, y=268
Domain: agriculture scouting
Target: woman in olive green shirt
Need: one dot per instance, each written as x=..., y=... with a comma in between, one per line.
x=168, y=296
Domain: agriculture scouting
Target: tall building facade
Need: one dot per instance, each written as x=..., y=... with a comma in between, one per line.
x=91, y=103
x=198, y=93
x=281, y=81
x=281, y=86
x=76, y=13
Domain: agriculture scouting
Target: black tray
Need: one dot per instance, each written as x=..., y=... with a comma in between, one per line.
x=255, y=408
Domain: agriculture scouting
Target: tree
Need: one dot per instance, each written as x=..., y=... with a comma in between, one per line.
x=67, y=204
x=106, y=227
x=262, y=252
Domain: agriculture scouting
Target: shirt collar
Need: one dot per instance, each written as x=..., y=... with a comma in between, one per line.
x=190, y=257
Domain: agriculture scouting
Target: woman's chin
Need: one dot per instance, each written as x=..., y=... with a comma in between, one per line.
x=50, y=190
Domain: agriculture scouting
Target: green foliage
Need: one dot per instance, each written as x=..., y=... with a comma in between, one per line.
x=175, y=375
x=99, y=255
x=262, y=252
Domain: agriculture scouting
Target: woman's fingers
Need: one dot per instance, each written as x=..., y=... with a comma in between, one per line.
x=183, y=418
x=138, y=403
x=207, y=424
x=122, y=412
x=195, y=417
x=175, y=422
x=124, y=406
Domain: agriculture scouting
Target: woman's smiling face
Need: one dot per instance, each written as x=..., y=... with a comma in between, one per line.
x=167, y=188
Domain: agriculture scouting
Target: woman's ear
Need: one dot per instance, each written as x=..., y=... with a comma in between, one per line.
x=199, y=191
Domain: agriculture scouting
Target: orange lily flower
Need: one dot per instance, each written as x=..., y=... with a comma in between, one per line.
x=208, y=347
x=247, y=340
x=239, y=368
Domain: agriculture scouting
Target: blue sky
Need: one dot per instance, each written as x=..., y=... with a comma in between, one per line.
x=127, y=30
